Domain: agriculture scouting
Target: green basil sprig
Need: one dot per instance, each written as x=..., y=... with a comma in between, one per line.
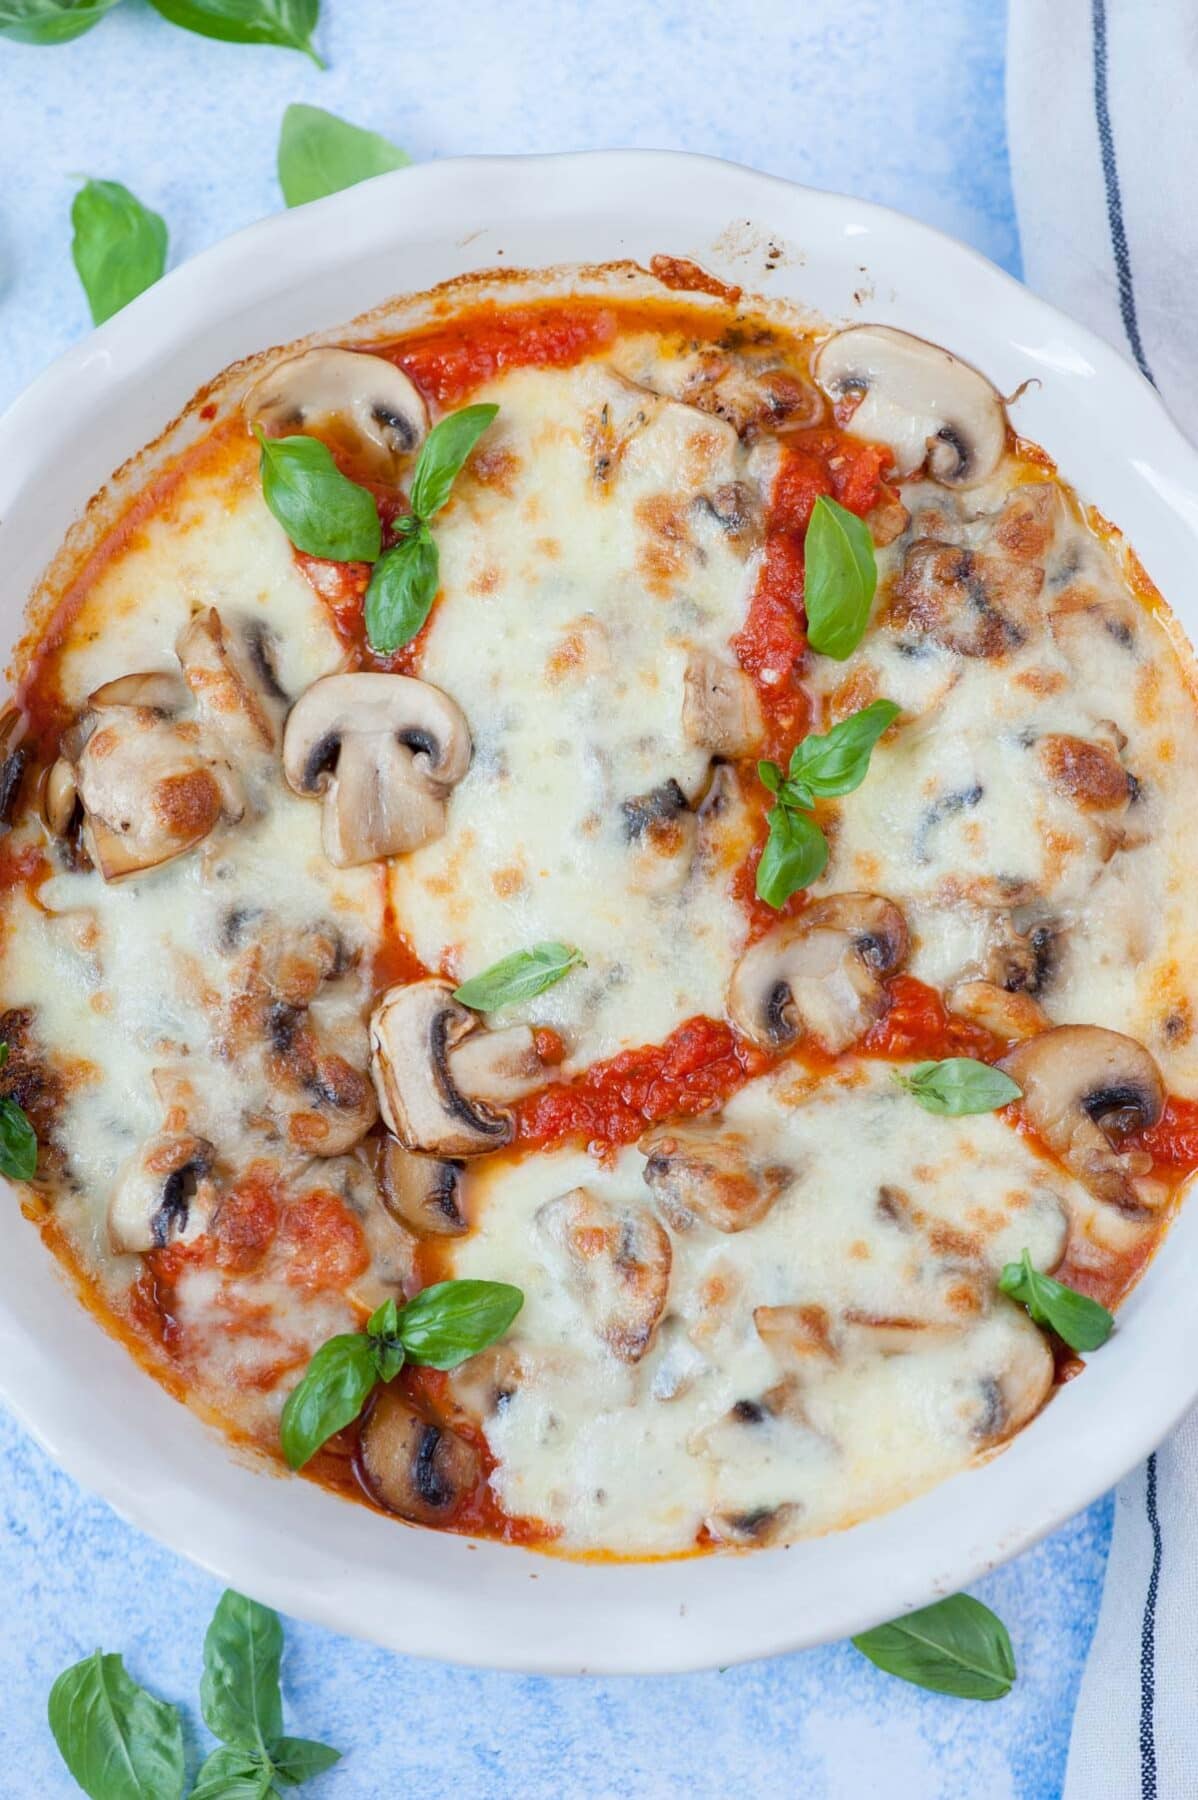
x=50, y=21
x=404, y=584
x=119, y=246
x=958, y=1646
x=958, y=1085
x=440, y=1327
x=320, y=154
x=287, y=24
x=18, y=1140
x=322, y=511
x=520, y=976
x=242, y=1704
x=1082, y=1323
x=118, y=1741
x=821, y=767
x=840, y=576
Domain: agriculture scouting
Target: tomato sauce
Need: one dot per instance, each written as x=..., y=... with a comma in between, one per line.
x=1173, y=1141
x=450, y=361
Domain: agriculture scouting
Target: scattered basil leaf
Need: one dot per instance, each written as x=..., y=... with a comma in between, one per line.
x=332, y=1392
x=299, y=1759
x=322, y=511
x=18, y=1142
x=838, y=762
x=958, y=1085
x=118, y=1742
x=1082, y=1323
x=795, y=855
x=402, y=590
x=442, y=454
x=444, y=1324
x=233, y=1775
x=239, y=1690
x=119, y=246
x=320, y=154
x=288, y=24
x=958, y=1646
x=520, y=976
x=50, y=21
x=840, y=575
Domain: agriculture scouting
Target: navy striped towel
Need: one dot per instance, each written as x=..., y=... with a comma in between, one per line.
x=1102, y=100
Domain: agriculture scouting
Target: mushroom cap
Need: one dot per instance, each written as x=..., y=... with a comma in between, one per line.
x=925, y=403
x=1084, y=1089
x=709, y=1172
x=362, y=403
x=384, y=751
x=413, y=1031
x=414, y=1467
x=819, y=974
x=424, y=1193
x=163, y=1193
x=150, y=787
x=231, y=697
x=720, y=708
x=617, y=1257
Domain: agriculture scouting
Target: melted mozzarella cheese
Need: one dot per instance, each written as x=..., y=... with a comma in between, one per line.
x=891, y=1212
x=574, y=587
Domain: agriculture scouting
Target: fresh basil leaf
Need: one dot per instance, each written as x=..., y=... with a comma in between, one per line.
x=50, y=21
x=18, y=1142
x=119, y=247
x=795, y=854
x=442, y=454
x=1082, y=1323
x=322, y=511
x=118, y=1742
x=958, y=1085
x=445, y=1324
x=320, y=154
x=334, y=1389
x=838, y=761
x=520, y=976
x=288, y=24
x=770, y=776
x=402, y=590
x=382, y=1328
x=958, y=1646
x=299, y=1759
x=840, y=574
x=239, y=1690
x=234, y=1775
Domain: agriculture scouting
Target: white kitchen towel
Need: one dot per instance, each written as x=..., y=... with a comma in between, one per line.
x=1102, y=105
x=1102, y=110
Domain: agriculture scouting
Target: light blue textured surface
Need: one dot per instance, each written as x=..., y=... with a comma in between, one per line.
x=901, y=104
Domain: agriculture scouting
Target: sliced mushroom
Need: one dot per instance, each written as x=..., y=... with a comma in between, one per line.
x=798, y=1335
x=820, y=975
x=384, y=751
x=325, y=1102
x=996, y=1010
x=617, y=1258
x=14, y=759
x=976, y=602
x=896, y=1334
x=756, y=1528
x=1003, y=1403
x=414, y=1467
x=163, y=1193
x=711, y=1173
x=423, y=1192
x=720, y=709
x=663, y=831
x=231, y=698
x=1084, y=1089
x=58, y=797
x=362, y=404
x=151, y=786
x=423, y=1057
x=1087, y=773
x=927, y=405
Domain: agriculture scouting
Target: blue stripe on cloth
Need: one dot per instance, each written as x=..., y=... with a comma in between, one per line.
x=1114, y=201
x=1148, y=1646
